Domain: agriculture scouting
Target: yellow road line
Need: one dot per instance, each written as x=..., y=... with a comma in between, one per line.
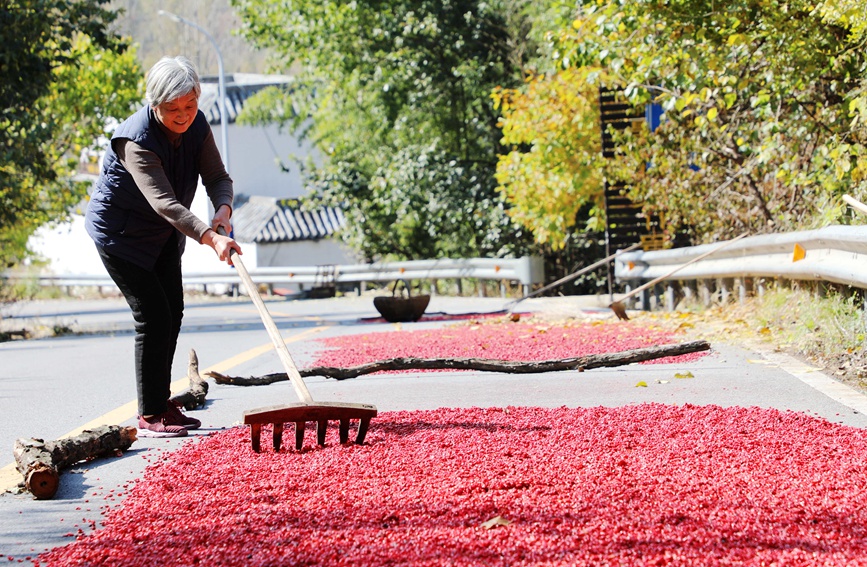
x=9, y=475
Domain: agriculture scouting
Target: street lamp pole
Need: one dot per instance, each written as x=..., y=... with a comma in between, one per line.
x=224, y=130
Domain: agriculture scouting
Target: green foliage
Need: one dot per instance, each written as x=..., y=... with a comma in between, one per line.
x=830, y=325
x=396, y=94
x=757, y=133
x=764, y=126
x=764, y=123
x=62, y=76
x=851, y=14
x=555, y=165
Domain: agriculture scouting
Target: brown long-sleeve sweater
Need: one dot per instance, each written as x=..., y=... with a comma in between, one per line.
x=147, y=171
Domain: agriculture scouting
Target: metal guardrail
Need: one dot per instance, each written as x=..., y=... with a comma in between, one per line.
x=835, y=254
x=527, y=271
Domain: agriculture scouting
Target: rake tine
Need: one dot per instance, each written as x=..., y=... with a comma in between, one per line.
x=344, y=430
x=321, y=426
x=301, y=413
x=255, y=432
x=363, y=424
x=278, y=436
x=299, y=434
x=307, y=409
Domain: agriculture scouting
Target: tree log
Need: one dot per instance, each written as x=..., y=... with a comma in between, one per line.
x=40, y=461
x=580, y=363
x=193, y=398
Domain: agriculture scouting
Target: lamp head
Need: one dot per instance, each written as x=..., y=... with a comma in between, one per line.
x=171, y=16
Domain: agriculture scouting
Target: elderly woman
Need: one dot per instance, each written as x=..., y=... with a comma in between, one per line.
x=139, y=217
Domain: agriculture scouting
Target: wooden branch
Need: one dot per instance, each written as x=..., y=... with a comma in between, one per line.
x=40, y=461
x=489, y=365
x=193, y=398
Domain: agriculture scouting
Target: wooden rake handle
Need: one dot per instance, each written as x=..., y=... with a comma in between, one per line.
x=855, y=204
x=282, y=351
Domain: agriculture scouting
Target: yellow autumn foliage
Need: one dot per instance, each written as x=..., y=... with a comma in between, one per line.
x=555, y=165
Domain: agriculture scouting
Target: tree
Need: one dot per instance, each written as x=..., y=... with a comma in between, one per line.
x=157, y=36
x=554, y=169
x=62, y=77
x=397, y=95
x=852, y=15
x=758, y=133
x=757, y=94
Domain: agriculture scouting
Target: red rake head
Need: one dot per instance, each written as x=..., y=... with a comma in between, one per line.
x=300, y=414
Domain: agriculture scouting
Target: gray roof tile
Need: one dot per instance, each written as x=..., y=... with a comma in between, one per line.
x=266, y=219
x=239, y=87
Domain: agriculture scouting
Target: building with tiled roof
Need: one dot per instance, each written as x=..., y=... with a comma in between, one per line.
x=269, y=223
x=265, y=219
x=286, y=233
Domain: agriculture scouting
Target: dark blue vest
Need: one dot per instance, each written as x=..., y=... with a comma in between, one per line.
x=119, y=218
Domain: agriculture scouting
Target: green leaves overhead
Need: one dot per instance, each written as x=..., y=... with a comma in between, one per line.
x=763, y=125
x=464, y=127
x=62, y=76
x=396, y=95
x=555, y=165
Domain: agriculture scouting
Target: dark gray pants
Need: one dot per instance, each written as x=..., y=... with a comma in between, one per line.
x=156, y=298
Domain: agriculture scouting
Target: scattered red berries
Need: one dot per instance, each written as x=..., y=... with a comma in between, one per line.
x=650, y=484
x=513, y=341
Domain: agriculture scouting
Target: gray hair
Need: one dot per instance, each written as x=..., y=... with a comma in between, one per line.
x=170, y=78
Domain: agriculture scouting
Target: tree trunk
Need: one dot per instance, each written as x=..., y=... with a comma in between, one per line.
x=193, y=398
x=489, y=365
x=40, y=461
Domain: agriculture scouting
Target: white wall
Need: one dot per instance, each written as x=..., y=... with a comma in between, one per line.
x=254, y=168
x=67, y=248
x=255, y=158
x=304, y=253
x=70, y=251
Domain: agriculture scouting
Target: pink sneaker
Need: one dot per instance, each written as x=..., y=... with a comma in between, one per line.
x=177, y=417
x=162, y=425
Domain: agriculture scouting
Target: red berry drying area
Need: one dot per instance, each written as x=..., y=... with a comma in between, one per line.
x=650, y=484
x=502, y=341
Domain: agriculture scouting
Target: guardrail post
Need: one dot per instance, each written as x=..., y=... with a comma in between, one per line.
x=741, y=287
x=689, y=291
x=530, y=270
x=669, y=297
x=645, y=301
x=823, y=288
x=725, y=291
x=705, y=292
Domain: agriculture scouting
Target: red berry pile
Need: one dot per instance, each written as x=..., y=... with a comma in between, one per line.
x=502, y=341
x=650, y=484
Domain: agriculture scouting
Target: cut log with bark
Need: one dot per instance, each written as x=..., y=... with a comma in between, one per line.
x=579, y=363
x=194, y=397
x=40, y=462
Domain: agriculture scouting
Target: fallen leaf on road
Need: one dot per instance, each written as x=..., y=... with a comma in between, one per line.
x=496, y=521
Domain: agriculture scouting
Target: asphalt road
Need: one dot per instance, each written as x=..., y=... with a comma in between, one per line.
x=53, y=387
